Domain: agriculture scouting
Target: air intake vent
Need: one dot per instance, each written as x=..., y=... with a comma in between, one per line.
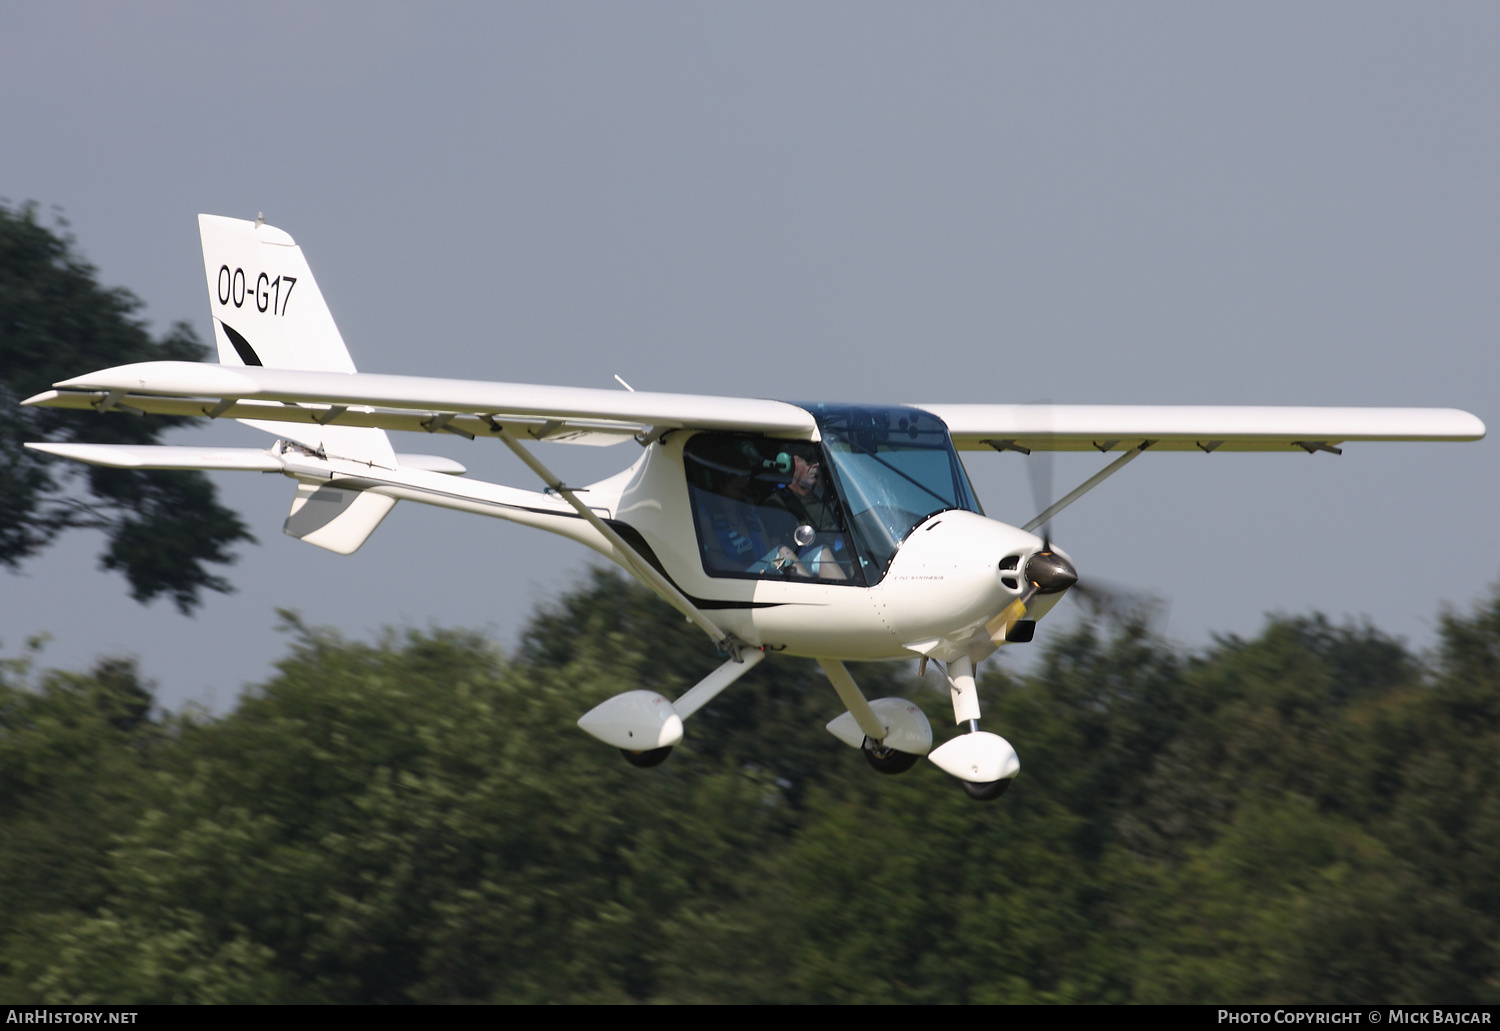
x=1010, y=564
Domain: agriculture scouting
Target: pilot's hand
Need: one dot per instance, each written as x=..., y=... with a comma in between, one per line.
x=786, y=559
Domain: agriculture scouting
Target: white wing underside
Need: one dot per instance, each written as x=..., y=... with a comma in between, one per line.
x=1192, y=427
x=569, y=414
x=590, y=416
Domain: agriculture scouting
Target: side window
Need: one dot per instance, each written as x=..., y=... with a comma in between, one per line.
x=764, y=510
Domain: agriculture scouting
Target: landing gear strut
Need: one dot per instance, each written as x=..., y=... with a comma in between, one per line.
x=892, y=732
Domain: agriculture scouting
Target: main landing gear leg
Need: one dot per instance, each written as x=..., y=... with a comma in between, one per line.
x=891, y=732
x=645, y=726
x=984, y=763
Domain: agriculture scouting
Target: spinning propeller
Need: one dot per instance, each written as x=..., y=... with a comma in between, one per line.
x=1047, y=572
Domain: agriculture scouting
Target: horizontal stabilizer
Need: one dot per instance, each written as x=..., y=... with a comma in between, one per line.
x=431, y=464
x=164, y=456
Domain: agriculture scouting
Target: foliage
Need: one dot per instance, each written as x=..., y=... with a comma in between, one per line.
x=1308, y=815
x=56, y=321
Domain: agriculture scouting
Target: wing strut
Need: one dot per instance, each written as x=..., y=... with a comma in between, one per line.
x=1088, y=485
x=637, y=562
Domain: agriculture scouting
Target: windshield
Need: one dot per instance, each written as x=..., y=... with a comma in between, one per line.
x=893, y=467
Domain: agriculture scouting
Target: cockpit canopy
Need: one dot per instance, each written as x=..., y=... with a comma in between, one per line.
x=835, y=511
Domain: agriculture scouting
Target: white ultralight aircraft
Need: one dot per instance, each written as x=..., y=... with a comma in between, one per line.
x=834, y=531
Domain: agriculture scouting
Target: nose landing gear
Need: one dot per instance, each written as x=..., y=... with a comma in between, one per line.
x=647, y=759
x=986, y=792
x=984, y=763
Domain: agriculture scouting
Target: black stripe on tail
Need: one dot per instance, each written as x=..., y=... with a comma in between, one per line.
x=241, y=346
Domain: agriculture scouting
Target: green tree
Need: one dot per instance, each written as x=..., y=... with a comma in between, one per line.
x=75, y=751
x=164, y=528
x=1321, y=826
x=1309, y=815
x=418, y=820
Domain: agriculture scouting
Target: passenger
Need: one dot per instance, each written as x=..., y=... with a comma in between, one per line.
x=735, y=537
x=740, y=541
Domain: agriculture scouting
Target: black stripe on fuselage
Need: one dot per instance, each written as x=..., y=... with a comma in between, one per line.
x=630, y=534
x=633, y=538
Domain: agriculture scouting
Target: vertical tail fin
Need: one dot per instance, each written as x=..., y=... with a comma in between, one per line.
x=269, y=311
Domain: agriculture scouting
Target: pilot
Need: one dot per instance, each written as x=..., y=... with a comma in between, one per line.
x=805, y=498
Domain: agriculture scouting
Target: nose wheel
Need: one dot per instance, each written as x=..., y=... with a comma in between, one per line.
x=986, y=792
x=650, y=757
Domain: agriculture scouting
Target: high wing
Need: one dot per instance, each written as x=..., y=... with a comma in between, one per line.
x=466, y=407
x=1041, y=427
x=591, y=416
